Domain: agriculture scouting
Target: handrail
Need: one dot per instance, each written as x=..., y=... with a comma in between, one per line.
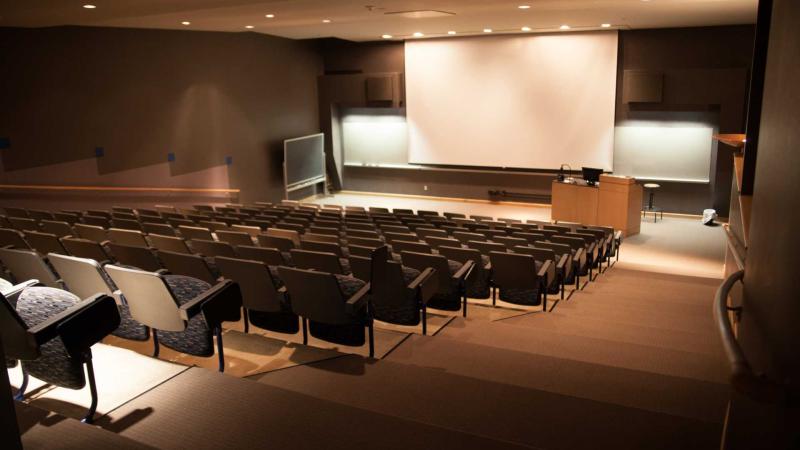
x=742, y=376
x=116, y=188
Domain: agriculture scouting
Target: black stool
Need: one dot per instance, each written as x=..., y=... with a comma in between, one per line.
x=650, y=207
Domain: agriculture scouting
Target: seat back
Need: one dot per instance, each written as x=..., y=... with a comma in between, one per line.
x=129, y=237
x=559, y=228
x=126, y=224
x=388, y=287
x=12, y=238
x=70, y=218
x=422, y=261
x=316, y=296
x=56, y=227
x=192, y=233
x=40, y=214
x=168, y=243
x=465, y=236
x=486, y=247
x=251, y=230
x=24, y=223
x=574, y=243
x=16, y=212
x=162, y=229
x=392, y=237
x=150, y=301
x=320, y=261
x=190, y=265
x=84, y=248
x=362, y=233
x=510, y=242
x=316, y=237
x=235, y=238
x=44, y=243
x=83, y=277
x=268, y=256
x=26, y=265
x=283, y=233
x=431, y=232
x=438, y=243
x=259, y=290
x=212, y=248
x=364, y=242
x=316, y=246
x=529, y=237
x=91, y=232
x=514, y=270
x=97, y=221
x=407, y=246
x=139, y=257
x=281, y=243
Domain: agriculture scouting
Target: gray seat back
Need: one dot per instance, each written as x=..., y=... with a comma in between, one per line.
x=91, y=232
x=190, y=265
x=235, y=238
x=44, y=243
x=320, y=261
x=139, y=257
x=514, y=271
x=316, y=296
x=150, y=301
x=259, y=290
x=191, y=233
x=168, y=243
x=83, y=277
x=268, y=256
x=128, y=237
x=13, y=238
x=56, y=227
x=26, y=265
x=212, y=248
x=84, y=248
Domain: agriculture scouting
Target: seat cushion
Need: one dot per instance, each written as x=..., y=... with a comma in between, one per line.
x=197, y=339
x=450, y=301
x=352, y=335
x=521, y=296
x=54, y=365
x=405, y=314
x=478, y=285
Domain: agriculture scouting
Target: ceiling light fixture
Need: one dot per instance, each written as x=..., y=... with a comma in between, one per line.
x=326, y=20
x=186, y=23
x=418, y=34
x=270, y=16
x=387, y=36
x=606, y=25
x=564, y=27
x=89, y=6
x=487, y=30
x=526, y=28
x=451, y=33
x=524, y=6
x=249, y=27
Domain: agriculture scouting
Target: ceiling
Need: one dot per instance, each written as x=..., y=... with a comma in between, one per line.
x=365, y=20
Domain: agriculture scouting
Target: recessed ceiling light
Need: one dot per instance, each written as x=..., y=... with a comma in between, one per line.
x=487, y=30
x=326, y=20
x=387, y=36
x=89, y=6
x=451, y=32
x=606, y=25
x=526, y=28
x=418, y=34
x=524, y=6
x=249, y=27
x=270, y=16
x=564, y=27
x=186, y=23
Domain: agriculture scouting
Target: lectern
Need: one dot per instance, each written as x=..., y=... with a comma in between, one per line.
x=617, y=203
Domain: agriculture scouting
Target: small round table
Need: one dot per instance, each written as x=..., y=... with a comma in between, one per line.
x=650, y=207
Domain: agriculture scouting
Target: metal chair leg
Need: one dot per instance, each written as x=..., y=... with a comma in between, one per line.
x=464, y=312
x=305, y=330
x=156, y=347
x=22, y=387
x=562, y=286
x=494, y=296
x=371, y=333
x=220, y=350
x=89, y=418
x=246, y=320
x=424, y=320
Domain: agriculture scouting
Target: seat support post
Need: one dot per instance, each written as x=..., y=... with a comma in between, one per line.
x=371, y=332
x=305, y=330
x=424, y=320
x=246, y=320
x=156, y=347
x=220, y=351
x=22, y=387
x=89, y=418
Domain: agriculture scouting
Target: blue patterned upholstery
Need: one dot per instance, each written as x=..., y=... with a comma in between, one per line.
x=352, y=335
x=478, y=286
x=197, y=339
x=406, y=314
x=452, y=300
x=54, y=365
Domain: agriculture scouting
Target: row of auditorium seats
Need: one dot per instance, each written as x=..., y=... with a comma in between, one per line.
x=178, y=275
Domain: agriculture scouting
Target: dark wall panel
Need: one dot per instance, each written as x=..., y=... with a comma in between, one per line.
x=141, y=94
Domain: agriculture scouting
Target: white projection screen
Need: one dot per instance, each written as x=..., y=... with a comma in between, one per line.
x=521, y=101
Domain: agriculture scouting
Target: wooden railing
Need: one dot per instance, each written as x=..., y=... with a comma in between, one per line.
x=119, y=189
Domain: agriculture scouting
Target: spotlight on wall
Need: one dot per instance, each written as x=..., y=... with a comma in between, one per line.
x=186, y=23
x=524, y=6
x=487, y=30
x=418, y=34
x=89, y=6
x=387, y=36
x=451, y=33
x=249, y=27
x=606, y=25
x=326, y=20
x=564, y=27
x=525, y=28
x=270, y=16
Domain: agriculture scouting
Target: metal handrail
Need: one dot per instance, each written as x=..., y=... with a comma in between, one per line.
x=742, y=376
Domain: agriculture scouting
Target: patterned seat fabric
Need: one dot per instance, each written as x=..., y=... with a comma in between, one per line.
x=406, y=314
x=54, y=365
x=197, y=339
x=452, y=300
x=521, y=296
x=350, y=334
x=478, y=286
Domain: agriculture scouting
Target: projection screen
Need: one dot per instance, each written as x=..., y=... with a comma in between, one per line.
x=521, y=101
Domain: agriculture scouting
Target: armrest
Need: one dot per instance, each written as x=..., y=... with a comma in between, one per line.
x=13, y=292
x=618, y=236
x=426, y=283
x=421, y=278
x=47, y=330
x=562, y=262
x=162, y=272
x=104, y=243
x=547, y=272
x=580, y=256
x=89, y=325
x=358, y=300
x=464, y=271
x=223, y=302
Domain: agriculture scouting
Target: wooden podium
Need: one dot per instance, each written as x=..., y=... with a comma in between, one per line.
x=617, y=203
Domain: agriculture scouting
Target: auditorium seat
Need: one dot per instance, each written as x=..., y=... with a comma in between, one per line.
x=478, y=283
x=183, y=313
x=451, y=275
x=269, y=256
x=27, y=265
x=189, y=265
x=264, y=301
x=162, y=229
x=234, y=238
x=134, y=256
x=24, y=223
x=98, y=221
x=91, y=232
x=320, y=261
x=85, y=248
x=554, y=282
x=44, y=243
x=124, y=236
x=51, y=332
x=283, y=244
x=332, y=307
x=168, y=243
x=191, y=233
x=59, y=228
x=12, y=238
x=411, y=246
x=520, y=279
